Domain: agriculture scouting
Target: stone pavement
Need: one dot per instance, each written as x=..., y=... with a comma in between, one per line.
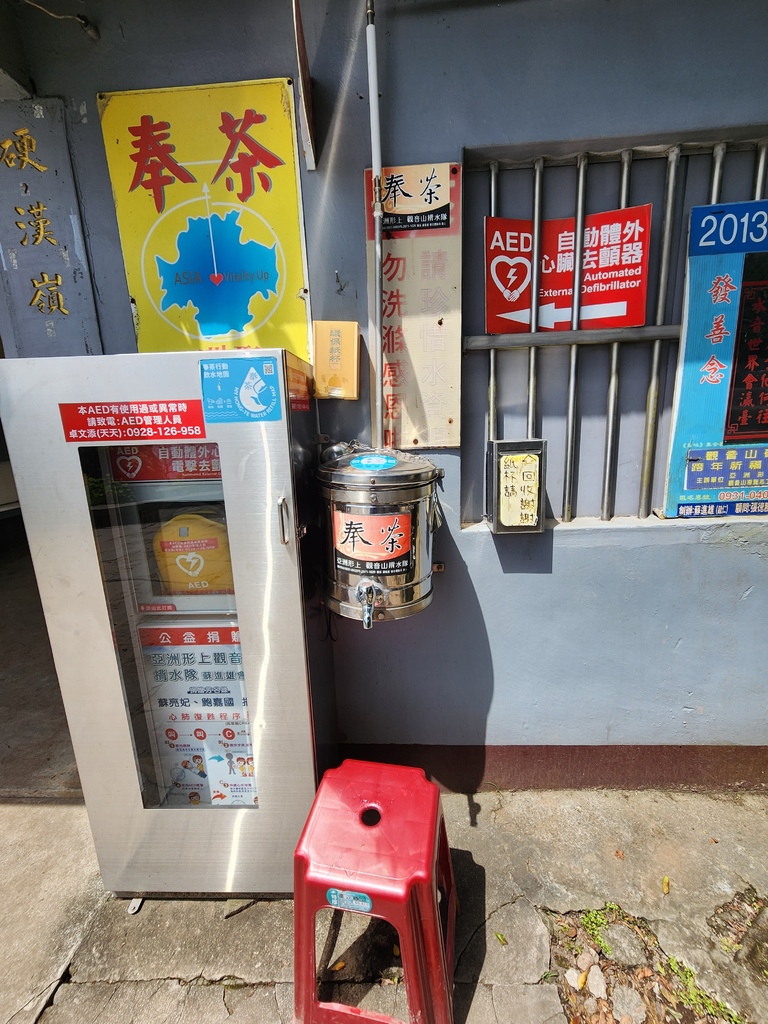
x=71, y=954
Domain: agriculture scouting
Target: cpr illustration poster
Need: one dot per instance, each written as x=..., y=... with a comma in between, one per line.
x=206, y=188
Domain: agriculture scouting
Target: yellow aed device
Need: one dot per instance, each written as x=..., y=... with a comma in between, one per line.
x=192, y=554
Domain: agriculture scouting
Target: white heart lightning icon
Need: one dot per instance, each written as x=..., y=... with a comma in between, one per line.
x=512, y=288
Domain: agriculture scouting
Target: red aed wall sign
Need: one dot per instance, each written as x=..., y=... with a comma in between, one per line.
x=132, y=421
x=182, y=461
x=614, y=271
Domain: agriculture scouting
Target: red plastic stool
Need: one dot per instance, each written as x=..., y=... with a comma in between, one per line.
x=375, y=843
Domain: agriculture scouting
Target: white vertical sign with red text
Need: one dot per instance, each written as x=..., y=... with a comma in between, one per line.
x=421, y=303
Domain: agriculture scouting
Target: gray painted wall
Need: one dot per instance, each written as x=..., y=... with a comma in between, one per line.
x=14, y=76
x=626, y=632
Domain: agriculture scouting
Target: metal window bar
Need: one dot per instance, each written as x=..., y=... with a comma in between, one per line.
x=492, y=412
x=760, y=168
x=612, y=409
x=652, y=402
x=659, y=333
x=573, y=367
x=533, y=352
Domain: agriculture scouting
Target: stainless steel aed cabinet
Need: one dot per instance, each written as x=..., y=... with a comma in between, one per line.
x=169, y=505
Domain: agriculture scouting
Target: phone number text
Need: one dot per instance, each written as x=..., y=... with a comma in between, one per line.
x=742, y=495
x=135, y=433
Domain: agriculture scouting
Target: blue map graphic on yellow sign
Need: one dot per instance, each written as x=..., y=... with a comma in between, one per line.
x=218, y=274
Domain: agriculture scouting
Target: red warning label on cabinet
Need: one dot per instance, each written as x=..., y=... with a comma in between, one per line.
x=132, y=421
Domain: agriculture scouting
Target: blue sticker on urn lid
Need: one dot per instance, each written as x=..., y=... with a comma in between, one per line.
x=373, y=463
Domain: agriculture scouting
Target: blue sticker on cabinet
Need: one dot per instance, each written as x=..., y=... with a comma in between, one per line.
x=237, y=390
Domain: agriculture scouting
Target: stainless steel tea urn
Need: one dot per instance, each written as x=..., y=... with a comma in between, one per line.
x=381, y=510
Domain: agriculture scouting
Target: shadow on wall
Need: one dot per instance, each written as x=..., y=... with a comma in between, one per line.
x=525, y=553
x=418, y=691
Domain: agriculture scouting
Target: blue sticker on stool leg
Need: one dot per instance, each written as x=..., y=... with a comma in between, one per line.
x=345, y=900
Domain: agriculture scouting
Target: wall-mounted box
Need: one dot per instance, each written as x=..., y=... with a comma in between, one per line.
x=337, y=358
x=516, y=486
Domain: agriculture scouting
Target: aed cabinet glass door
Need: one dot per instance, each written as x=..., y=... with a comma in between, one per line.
x=160, y=526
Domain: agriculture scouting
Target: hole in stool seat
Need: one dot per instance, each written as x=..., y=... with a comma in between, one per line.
x=371, y=816
x=358, y=963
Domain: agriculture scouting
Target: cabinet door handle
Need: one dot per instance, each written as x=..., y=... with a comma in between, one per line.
x=282, y=518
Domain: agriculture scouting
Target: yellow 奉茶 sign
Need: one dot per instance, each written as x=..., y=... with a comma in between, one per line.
x=206, y=188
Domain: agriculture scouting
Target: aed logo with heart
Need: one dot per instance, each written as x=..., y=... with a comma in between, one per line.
x=191, y=563
x=129, y=465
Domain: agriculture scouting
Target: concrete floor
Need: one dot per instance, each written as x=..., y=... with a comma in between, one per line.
x=49, y=880
x=527, y=865
x=35, y=750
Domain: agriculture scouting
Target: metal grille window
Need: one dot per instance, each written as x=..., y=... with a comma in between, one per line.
x=601, y=399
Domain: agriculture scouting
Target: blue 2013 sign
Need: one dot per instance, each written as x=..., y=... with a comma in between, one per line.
x=730, y=228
